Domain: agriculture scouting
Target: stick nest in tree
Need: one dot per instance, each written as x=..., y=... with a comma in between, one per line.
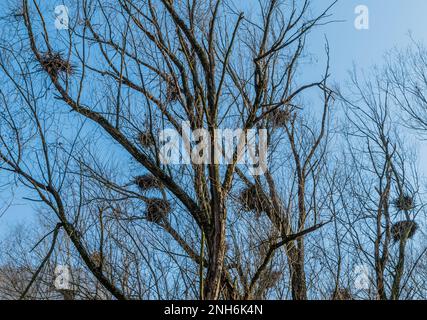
x=157, y=210
x=172, y=92
x=97, y=259
x=55, y=64
x=147, y=182
x=279, y=118
x=404, y=202
x=252, y=200
x=146, y=139
x=403, y=228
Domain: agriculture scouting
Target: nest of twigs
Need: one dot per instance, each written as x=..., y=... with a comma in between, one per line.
x=403, y=229
x=56, y=65
x=116, y=212
x=252, y=200
x=157, y=210
x=404, y=202
x=147, y=182
x=97, y=258
x=342, y=294
x=279, y=118
x=172, y=92
x=146, y=139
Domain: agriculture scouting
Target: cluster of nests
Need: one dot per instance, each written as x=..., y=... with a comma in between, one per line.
x=55, y=64
x=156, y=209
x=253, y=200
x=404, y=229
x=279, y=118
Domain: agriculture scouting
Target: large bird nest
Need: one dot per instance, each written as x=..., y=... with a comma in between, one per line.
x=97, y=259
x=147, y=182
x=279, y=118
x=252, y=200
x=157, y=210
x=404, y=202
x=172, y=92
x=403, y=230
x=146, y=139
x=55, y=64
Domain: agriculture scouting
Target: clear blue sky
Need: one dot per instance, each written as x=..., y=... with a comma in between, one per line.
x=390, y=23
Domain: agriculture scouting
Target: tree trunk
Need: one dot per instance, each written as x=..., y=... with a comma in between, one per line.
x=216, y=251
x=296, y=268
x=395, y=290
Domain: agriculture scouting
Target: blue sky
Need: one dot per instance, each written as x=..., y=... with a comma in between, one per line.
x=390, y=23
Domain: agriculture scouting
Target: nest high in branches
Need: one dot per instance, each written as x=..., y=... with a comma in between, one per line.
x=403, y=228
x=147, y=182
x=157, y=210
x=56, y=65
x=97, y=259
x=172, y=92
x=146, y=139
x=404, y=202
x=252, y=200
x=279, y=118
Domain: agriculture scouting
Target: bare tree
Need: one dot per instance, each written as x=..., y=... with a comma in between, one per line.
x=386, y=197
x=119, y=84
